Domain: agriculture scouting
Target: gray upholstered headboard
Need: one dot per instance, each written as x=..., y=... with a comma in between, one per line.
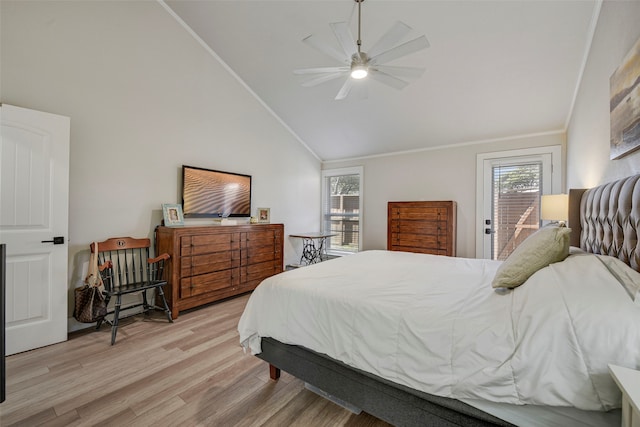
x=606, y=219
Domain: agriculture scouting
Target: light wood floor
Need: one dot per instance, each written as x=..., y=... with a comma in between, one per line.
x=189, y=373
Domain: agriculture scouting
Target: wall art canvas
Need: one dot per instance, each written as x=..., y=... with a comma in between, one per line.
x=625, y=105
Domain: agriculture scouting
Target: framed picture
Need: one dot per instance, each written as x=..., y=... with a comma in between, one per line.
x=625, y=105
x=263, y=215
x=172, y=215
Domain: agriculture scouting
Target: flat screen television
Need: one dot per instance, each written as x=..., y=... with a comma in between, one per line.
x=208, y=193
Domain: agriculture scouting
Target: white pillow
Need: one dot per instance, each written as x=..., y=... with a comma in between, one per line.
x=547, y=245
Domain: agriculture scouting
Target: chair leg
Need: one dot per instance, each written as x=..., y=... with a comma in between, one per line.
x=145, y=304
x=116, y=313
x=166, y=306
x=106, y=303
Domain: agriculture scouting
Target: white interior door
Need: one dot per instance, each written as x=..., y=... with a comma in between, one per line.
x=34, y=208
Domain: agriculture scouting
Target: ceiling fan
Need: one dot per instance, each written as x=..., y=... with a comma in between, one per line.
x=359, y=64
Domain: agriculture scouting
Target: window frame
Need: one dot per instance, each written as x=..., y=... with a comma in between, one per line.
x=328, y=173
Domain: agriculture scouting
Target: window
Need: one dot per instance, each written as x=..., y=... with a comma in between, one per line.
x=341, y=209
x=515, y=205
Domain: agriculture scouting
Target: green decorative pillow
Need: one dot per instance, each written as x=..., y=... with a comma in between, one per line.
x=548, y=245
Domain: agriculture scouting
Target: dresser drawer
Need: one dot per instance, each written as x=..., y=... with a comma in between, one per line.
x=428, y=214
x=259, y=271
x=418, y=250
x=260, y=238
x=205, y=283
x=257, y=254
x=419, y=240
x=418, y=227
x=201, y=264
x=208, y=243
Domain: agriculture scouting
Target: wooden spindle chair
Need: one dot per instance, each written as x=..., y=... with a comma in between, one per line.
x=126, y=268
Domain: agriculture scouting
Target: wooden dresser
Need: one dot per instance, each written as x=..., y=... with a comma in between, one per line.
x=214, y=262
x=425, y=227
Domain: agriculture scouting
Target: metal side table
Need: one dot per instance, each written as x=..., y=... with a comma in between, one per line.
x=313, y=247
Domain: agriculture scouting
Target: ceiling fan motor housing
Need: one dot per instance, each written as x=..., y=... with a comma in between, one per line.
x=359, y=65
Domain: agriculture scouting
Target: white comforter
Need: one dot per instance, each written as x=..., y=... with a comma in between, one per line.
x=435, y=324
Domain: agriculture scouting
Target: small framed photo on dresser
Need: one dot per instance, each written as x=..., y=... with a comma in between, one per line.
x=264, y=215
x=172, y=215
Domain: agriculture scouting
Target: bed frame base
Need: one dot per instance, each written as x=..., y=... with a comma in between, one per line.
x=274, y=373
x=396, y=404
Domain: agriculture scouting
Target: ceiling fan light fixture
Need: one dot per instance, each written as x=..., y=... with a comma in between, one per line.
x=359, y=71
x=359, y=65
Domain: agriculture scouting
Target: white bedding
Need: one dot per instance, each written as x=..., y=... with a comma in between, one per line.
x=435, y=324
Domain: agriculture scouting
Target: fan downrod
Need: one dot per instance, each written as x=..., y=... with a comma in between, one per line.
x=359, y=41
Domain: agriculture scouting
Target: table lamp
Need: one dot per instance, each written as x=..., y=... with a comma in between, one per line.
x=555, y=208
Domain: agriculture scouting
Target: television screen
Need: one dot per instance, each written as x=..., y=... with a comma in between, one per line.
x=211, y=193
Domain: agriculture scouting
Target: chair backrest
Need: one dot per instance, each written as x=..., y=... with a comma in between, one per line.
x=127, y=262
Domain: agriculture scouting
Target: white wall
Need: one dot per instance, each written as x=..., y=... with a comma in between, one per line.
x=144, y=98
x=588, y=134
x=440, y=174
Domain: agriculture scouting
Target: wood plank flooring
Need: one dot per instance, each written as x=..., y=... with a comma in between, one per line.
x=189, y=373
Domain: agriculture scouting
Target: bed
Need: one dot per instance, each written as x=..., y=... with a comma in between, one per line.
x=449, y=349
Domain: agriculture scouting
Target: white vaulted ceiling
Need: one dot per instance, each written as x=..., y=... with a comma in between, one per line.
x=495, y=69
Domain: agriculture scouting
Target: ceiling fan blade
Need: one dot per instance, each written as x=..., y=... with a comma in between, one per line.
x=324, y=78
x=320, y=70
x=391, y=38
x=344, y=90
x=409, y=72
x=328, y=50
x=388, y=79
x=353, y=11
x=345, y=38
x=404, y=49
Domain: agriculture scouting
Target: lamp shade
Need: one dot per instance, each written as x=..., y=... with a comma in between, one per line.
x=555, y=207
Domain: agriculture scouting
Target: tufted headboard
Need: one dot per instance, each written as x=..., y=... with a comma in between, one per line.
x=606, y=219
